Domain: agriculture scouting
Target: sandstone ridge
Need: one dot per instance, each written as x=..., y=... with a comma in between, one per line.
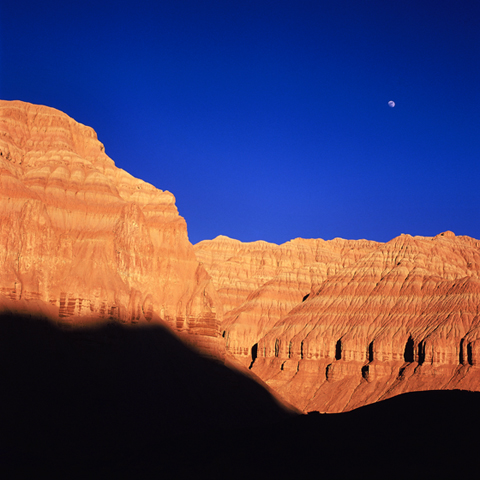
x=328, y=325
x=341, y=323
x=83, y=240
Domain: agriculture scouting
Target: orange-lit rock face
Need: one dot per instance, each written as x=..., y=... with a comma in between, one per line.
x=389, y=318
x=260, y=282
x=330, y=325
x=88, y=238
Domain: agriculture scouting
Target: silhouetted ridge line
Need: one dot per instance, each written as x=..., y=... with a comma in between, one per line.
x=96, y=393
x=136, y=401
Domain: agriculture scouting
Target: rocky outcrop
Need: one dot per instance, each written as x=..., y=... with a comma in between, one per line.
x=329, y=325
x=85, y=241
x=260, y=282
x=397, y=317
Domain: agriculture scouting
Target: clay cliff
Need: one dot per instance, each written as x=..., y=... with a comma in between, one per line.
x=357, y=323
x=329, y=325
x=110, y=400
x=82, y=240
x=260, y=282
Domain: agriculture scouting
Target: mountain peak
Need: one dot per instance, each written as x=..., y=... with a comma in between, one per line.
x=88, y=238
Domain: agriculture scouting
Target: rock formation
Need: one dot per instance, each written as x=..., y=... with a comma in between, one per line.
x=389, y=318
x=260, y=282
x=329, y=325
x=82, y=240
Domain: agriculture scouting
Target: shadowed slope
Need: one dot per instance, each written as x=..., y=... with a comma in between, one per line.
x=136, y=402
x=417, y=435
x=96, y=398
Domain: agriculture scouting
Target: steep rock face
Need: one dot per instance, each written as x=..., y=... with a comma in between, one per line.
x=89, y=240
x=261, y=282
x=339, y=324
x=237, y=269
x=403, y=318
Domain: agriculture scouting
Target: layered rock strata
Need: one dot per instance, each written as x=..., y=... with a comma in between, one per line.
x=330, y=325
x=88, y=239
x=401, y=316
x=260, y=282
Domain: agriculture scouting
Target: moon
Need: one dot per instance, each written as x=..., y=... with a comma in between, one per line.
x=391, y=103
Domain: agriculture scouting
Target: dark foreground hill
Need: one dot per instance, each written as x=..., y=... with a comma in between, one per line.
x=136, y=403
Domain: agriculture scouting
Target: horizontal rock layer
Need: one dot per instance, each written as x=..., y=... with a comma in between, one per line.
x=261, y=282
x=330, y=325
x=87, y=238
x=388, y=318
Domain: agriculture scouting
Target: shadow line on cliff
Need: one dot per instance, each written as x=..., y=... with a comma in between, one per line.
x=137, y=402
x=88, y=398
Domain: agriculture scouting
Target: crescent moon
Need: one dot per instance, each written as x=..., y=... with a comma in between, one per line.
x=391, y=103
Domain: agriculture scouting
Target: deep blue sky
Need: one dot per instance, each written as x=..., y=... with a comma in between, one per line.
x=269, y=119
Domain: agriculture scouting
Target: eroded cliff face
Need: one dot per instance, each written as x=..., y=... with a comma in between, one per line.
x=260, y=282
x=330, y=325
x=83, y=240
x=383, y=320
